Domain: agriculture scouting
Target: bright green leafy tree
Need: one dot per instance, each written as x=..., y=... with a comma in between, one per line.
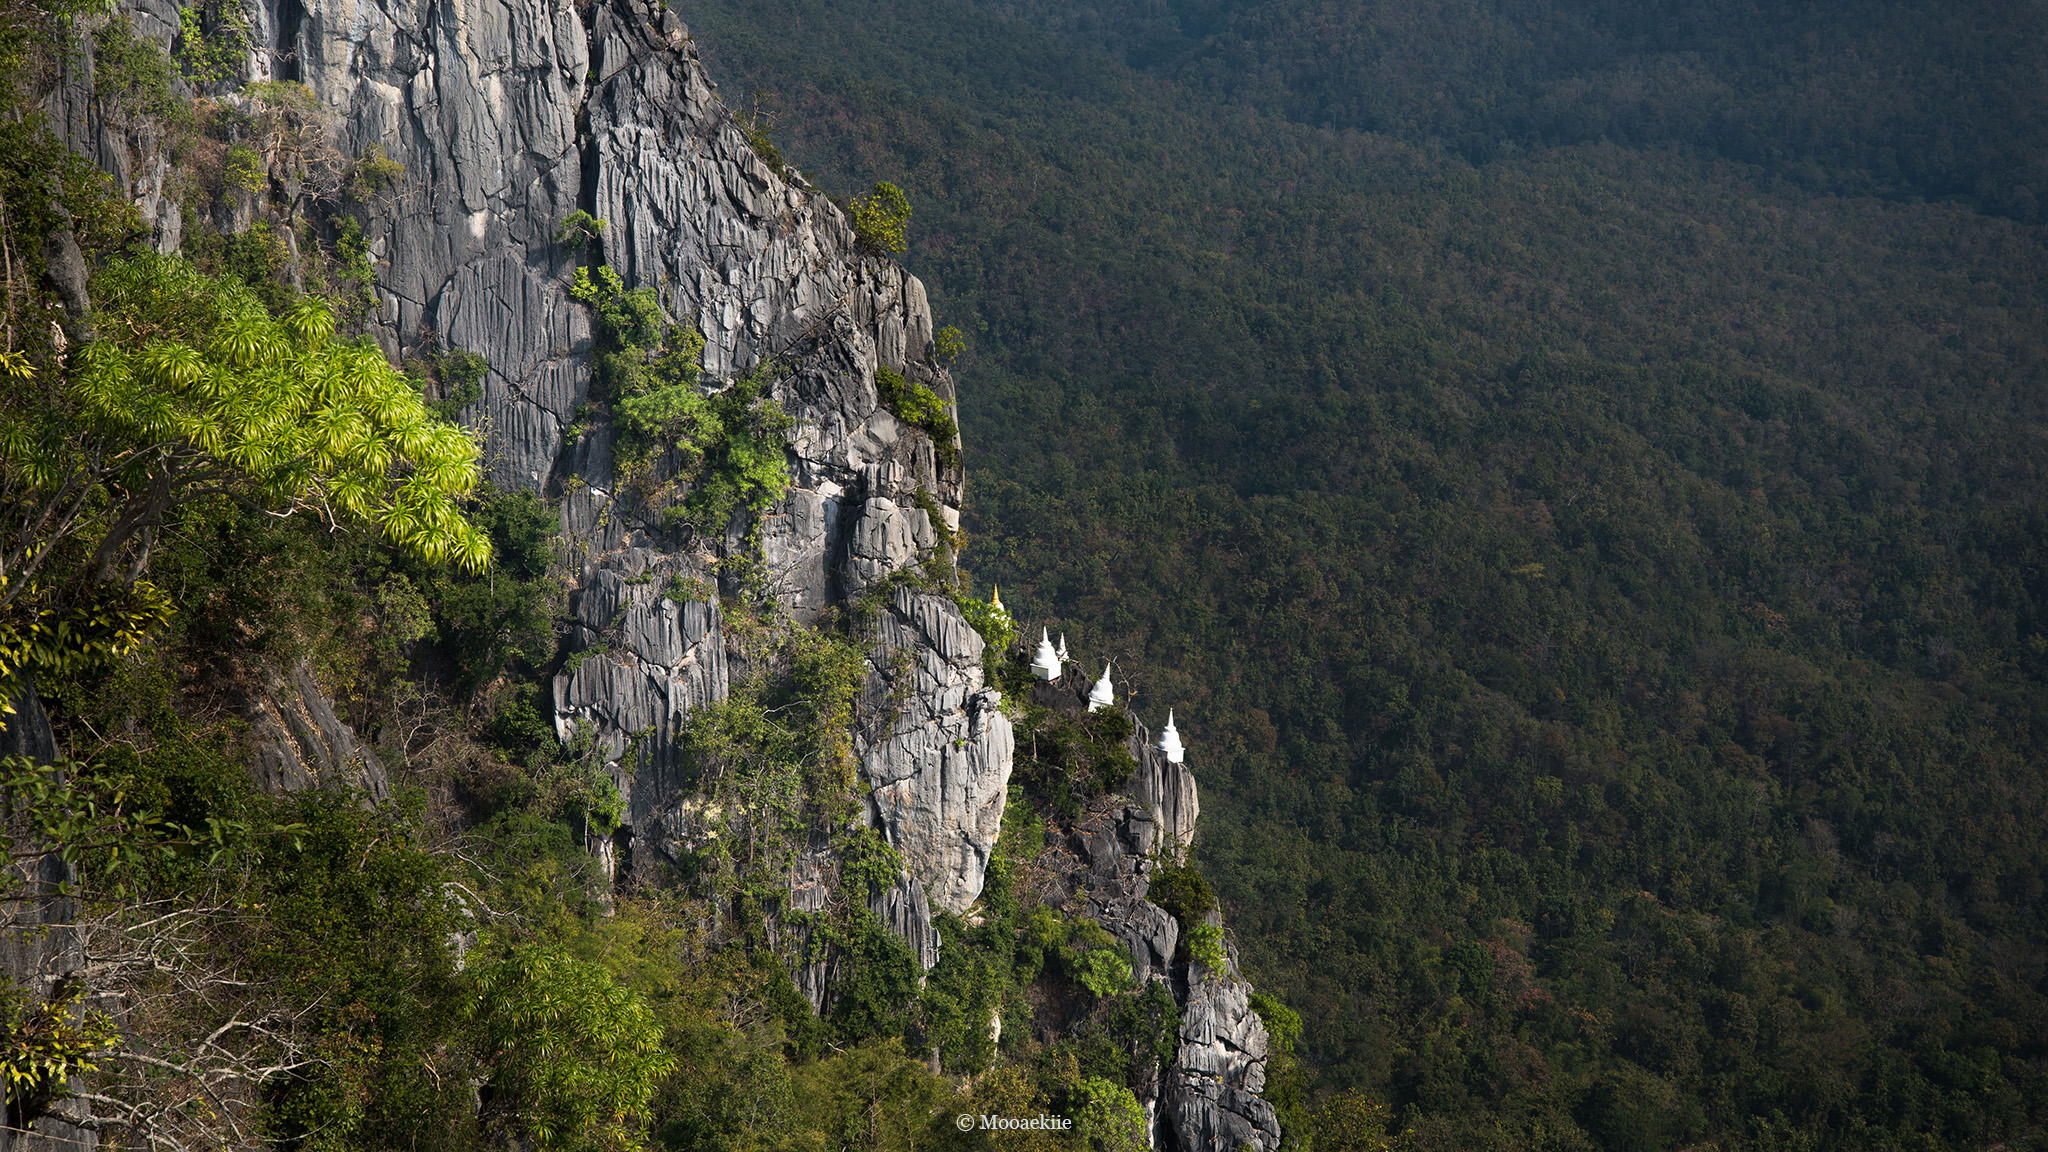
x=1108, y=1116
x=193, y=390
x=574, y=1055
x=879, y=219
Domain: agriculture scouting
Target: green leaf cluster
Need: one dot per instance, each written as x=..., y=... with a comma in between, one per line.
x=451, y=379
x=996, y=628
x=574, y=1055
x=921, y=408
x=726, y=446
x=372, y=173
x=212, y=44
x=1065, y=760
x=879, y=219
x=194, y=375
x=1109, y=1117
x=578, y=230
x=130, y=71
x=1204, y=943
x=47, y=1042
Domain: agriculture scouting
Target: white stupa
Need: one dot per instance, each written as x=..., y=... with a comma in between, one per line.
x=1045, y=663
x=1103, y=694
x=1169, y=742
x=1063, y=647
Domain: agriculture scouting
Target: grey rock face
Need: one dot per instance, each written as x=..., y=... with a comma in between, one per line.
x=478, y=102
x=940, y=772
x=40, y=949
x=908, y=914
x=809, y=893
x=26, y=731
x=766, y=268
x=647, y=658
x=1211, y=1098
x=1167, y=791
x=299, y=743
x=128, y=149
x=1102, y=866
x=884, y=539
x=1117, y=846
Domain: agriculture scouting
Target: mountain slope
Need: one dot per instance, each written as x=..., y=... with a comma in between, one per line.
x=1609, y=575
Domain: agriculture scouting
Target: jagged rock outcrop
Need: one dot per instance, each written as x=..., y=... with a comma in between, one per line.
x=297, y=742
x=1211, y=1101
x=1118, y=845
x=131, y=149
x=940, y=771
x=1101, y=864
x=1167, y=792
x=506, y=118
x=479, y=103
x=769, y=268
x=647, y=656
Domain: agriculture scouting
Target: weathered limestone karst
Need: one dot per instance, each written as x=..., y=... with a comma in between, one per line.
x=297, y=742
x=479, y=103
x=941, y=770
x=646, y=655
x=1102, y=862
x=509, y=117
x=506, y=118
x=1211, y=1101
x=1167, y=791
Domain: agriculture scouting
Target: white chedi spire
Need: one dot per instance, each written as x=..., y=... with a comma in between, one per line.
x=1063, y=647
x=1045, y=663
x=1103, y=694
x=1169, y=742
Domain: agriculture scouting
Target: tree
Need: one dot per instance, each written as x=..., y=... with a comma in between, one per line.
x=1351, y=1123
x=1108, y=1116
x=574, y=1055
x=879, y=219
x=190, y=391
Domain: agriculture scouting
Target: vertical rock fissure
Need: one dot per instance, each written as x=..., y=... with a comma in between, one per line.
x=291, y=20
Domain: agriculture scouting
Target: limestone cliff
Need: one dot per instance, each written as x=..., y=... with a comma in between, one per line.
x=508, y=118
x=505, y=119
x=1102, y=862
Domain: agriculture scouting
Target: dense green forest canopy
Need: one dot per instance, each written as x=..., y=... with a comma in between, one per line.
x=1577, y=472
x=1917, y=101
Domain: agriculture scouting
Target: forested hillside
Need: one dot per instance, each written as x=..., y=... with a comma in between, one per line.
x=1577, y=474
x=482, y=663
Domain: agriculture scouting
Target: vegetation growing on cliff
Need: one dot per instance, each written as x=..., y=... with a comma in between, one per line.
x=723, y=449
x=880, y=218
x=293, y=521
x=1614, y=572
x=922, y=409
